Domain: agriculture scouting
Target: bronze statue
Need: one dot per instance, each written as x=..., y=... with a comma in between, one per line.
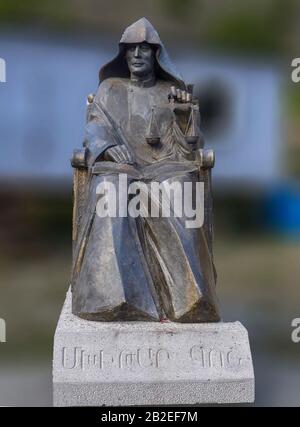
x=143, y=122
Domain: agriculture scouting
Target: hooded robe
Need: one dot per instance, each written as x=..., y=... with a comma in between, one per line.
x=140, y=268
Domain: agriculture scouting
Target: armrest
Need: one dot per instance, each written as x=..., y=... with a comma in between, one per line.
x=78, y=159
x=206, y=158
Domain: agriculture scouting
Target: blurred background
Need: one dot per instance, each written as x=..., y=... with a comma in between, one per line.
x=238, y=54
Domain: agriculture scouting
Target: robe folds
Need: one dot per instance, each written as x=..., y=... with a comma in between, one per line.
x=140, y=268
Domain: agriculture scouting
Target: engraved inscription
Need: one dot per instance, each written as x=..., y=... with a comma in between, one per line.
x=214, y=358
x=143, y=358
x=150, y=358
x=79, y=358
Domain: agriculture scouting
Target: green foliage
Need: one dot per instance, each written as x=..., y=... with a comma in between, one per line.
x=293, y=161
x=20, y=11
x=178, y=8
x=293, y=100
x=243, y=32
x=253, y=29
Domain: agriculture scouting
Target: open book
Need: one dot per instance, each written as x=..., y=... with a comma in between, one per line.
x=163, y=169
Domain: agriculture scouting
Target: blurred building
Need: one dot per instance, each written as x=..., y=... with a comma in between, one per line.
x=44, y=99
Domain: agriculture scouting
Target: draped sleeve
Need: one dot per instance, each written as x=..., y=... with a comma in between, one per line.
x=100, y=131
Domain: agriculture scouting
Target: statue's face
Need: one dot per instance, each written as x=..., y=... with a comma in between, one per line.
x=140, y=59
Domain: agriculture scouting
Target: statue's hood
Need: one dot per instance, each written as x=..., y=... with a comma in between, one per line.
x=139, y=32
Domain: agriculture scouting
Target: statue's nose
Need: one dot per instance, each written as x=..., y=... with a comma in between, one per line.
x=137, y=51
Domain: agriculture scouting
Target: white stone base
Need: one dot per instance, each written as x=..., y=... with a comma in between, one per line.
x=149, y=363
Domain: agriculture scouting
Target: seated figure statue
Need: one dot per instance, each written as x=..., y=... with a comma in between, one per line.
x=144, y=123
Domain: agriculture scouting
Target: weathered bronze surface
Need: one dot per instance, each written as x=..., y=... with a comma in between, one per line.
x=143, y=122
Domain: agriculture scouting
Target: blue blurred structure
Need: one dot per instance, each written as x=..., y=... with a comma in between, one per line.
x=246, y=126
x=283, y=210
x=43, y=105
x=43, y=108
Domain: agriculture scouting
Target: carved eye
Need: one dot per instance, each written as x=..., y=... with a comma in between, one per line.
x=145, y=47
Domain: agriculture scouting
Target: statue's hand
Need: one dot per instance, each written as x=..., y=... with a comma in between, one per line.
x=182, y=102
x=180, y=96
x=118, y=154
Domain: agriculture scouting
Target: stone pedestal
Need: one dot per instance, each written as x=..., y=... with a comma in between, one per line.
x=149, y=363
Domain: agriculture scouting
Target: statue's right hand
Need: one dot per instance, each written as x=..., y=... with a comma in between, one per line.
x=180, y=96
x=118, y=154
